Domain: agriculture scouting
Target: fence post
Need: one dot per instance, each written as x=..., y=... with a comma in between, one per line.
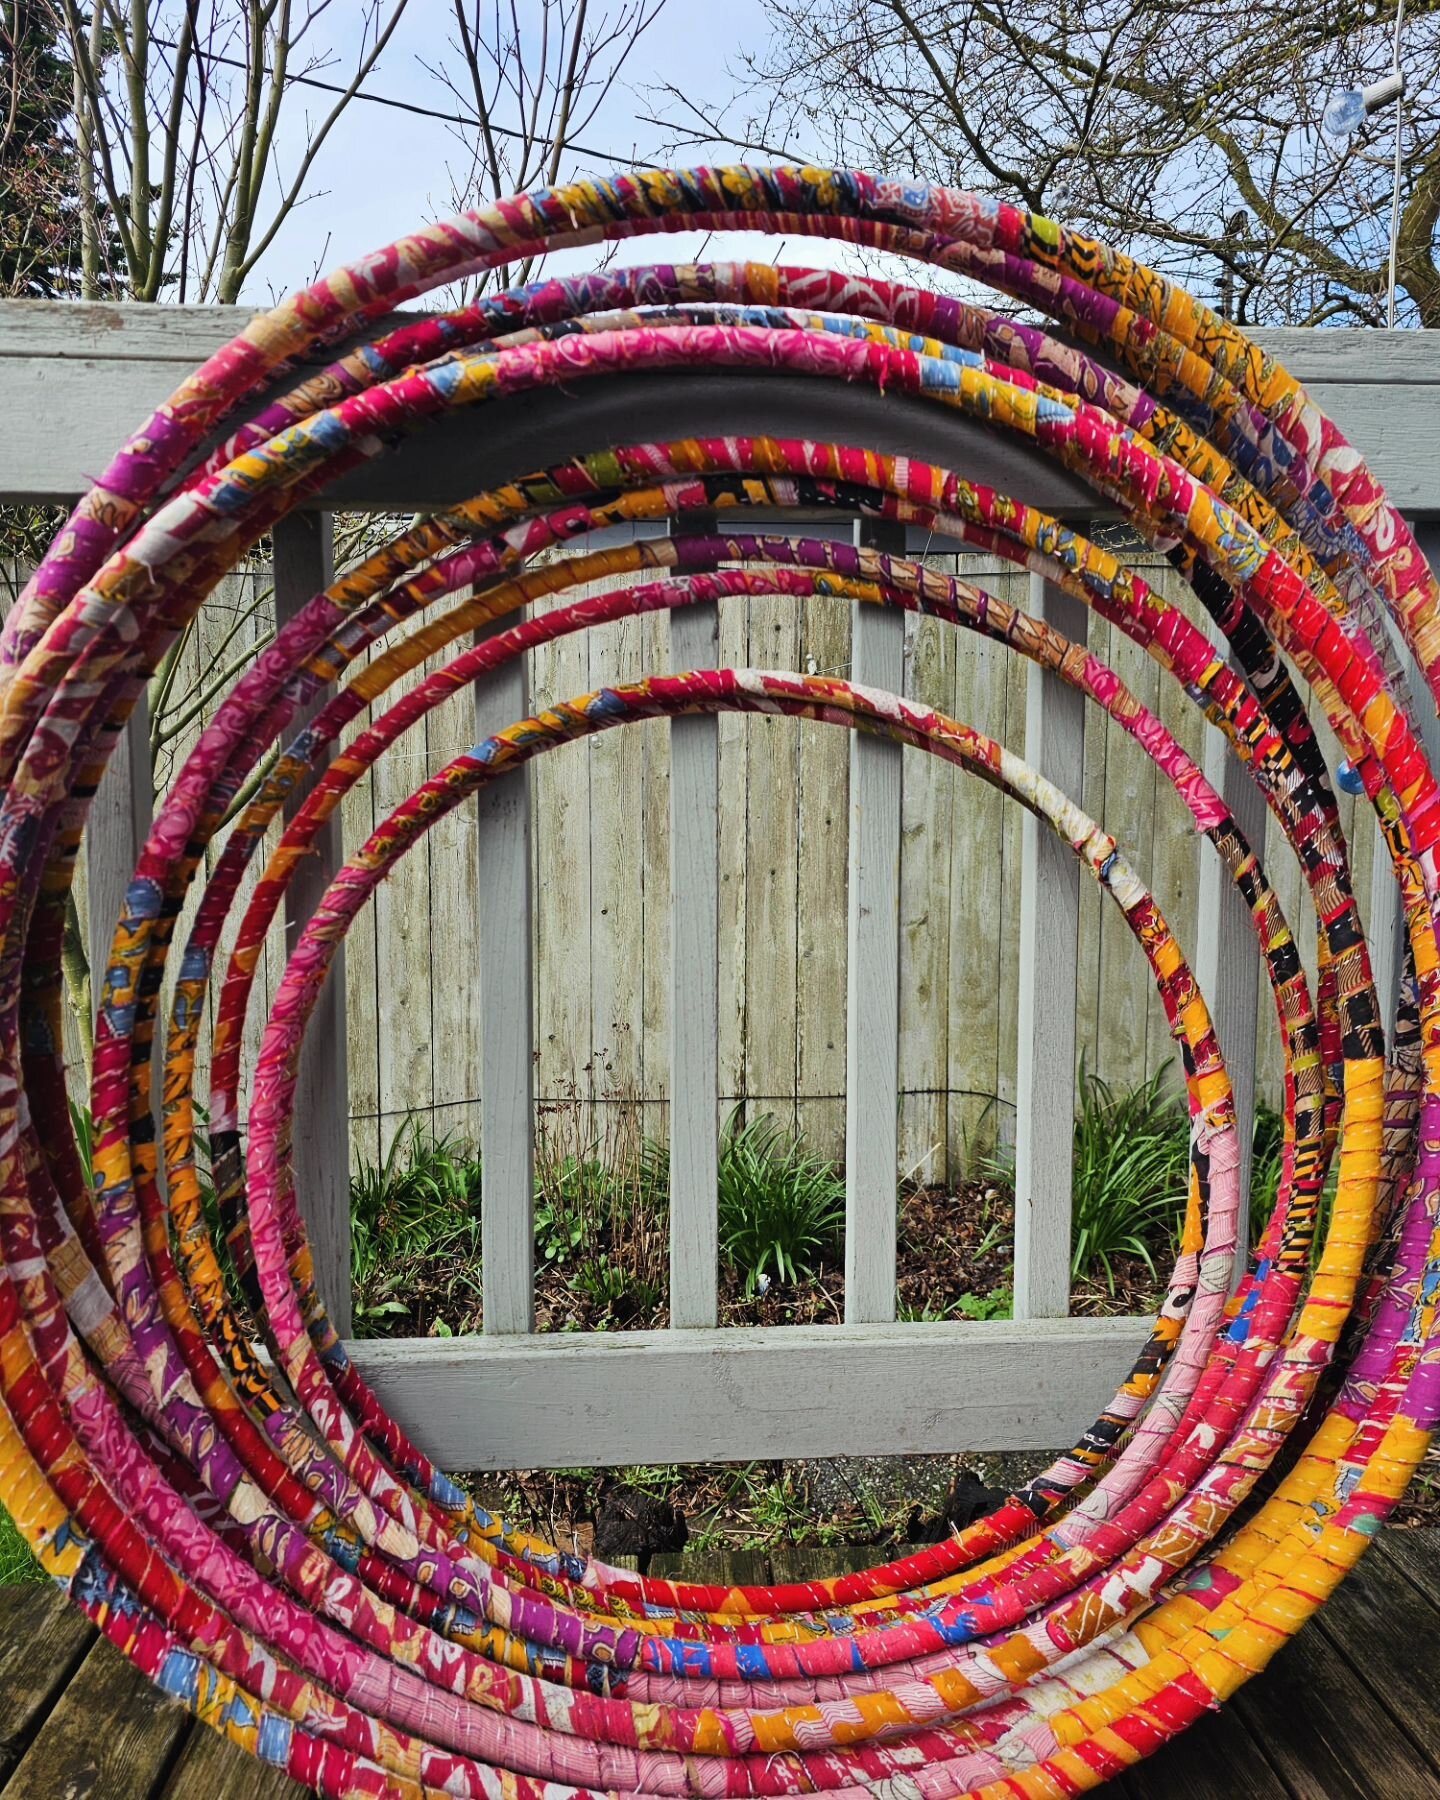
x=503, y=924
x=1385, y=918
x=1385, y=931
x=1049, y=952
x=119, y=821
x=872, y=1017
x=1227, y=957
x=304, y=565
x=694, y=977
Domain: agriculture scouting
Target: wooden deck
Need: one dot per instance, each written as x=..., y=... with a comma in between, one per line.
x=1350, y=1711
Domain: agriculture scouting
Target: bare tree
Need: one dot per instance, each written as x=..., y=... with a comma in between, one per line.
x=179, y=186
x=530, y=84
x=177, y=109
x=1187, y=132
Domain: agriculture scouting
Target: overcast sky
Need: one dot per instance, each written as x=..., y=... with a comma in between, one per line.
x=383, y=171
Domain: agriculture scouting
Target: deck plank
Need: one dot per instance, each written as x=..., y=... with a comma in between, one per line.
x=210, y=1767
x=728, y=1568
x=1218, y=1756
x=30, y=1685
x=112, y=1736
x=1323, y=1731
x=1349, y=1711
x=1417, y=1555
x=814, y=1562
x=1388, y=1634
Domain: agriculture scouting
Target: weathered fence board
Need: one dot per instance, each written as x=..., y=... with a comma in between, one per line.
x=413, y=1035
x=872, y=1005
x=115, y=364
x=787, y=1391
x=505, y=995
x=694, y=986
x=304, y=566
x=1049, y=947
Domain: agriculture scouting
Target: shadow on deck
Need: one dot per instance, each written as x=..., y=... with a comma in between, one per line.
x=1349, y=1711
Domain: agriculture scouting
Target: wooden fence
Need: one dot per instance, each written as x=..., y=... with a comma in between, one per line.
x=870, y=943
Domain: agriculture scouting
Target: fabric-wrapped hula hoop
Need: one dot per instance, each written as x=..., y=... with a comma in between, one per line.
x=256, y=1534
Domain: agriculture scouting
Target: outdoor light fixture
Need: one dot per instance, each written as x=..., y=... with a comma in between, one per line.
x=1348, y=108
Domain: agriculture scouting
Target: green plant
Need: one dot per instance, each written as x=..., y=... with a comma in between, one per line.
x=1131, y=1174
x=780, y=1206
x=613, y=1290
x=17, y=1560
x=415, y=1229
x=561, y=1206
x=601, y=1199
x=999, y=1303
x=82, y=1121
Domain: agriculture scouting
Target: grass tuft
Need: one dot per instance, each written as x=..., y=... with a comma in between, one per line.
x=1132, y=1174
x=415, y=1231
x=781, y=1207
x=17, y=1561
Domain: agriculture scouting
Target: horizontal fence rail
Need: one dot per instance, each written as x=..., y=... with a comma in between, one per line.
x=696, y=1392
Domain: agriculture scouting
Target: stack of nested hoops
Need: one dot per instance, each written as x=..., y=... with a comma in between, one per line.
x=255, y=1532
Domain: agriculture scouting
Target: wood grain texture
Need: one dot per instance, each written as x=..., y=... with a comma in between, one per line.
x=30, y=1685
x=503, y=972
x=210, y=1767
x=613, y=1398
x=773, y=749
x=694, y=983
x=822, y=784
x=455, y=1011
x=70, y=1759
x=369, y=1132
x=981, y=920
x=745, y=1568
x=735, y=975
x=117, y=366
x=562, y=821
x=1218, y=1756
x=1049, y=928
x=304, y=566
x=119, y=819
x=1388, y=1630
x=1323, y=1732
x=409, y=962
x=872, y=1007
x=131, y=330
x=925, y=869
x=1228, y=958
x=655, y=949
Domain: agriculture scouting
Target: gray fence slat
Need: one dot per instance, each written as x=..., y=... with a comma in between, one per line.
x=506, y=985
x=1386, y=919
x=119, y=820
x=1384, y=932
x=304, y=564
x=694, y=984
x=103, y=368
x=1049, y=949
x=1227, y=956
x=872, y=1016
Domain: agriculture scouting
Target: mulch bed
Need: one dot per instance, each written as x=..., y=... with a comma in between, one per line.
x=953, y=1245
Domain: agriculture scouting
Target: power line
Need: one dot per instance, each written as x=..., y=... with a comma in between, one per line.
x=409, y=106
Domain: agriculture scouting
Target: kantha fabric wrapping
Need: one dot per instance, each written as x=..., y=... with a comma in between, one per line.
x=252, y=1530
